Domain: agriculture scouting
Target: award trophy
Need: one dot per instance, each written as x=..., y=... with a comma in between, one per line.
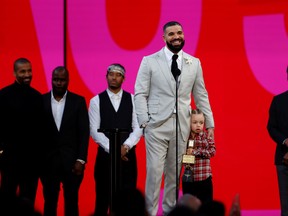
x=189, y=159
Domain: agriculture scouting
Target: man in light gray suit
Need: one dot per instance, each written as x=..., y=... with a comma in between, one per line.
x=155, y=99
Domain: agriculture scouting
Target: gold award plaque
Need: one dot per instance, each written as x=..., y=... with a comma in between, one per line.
x=189, y=159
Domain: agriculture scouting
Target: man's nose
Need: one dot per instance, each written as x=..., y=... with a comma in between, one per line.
x=176, y=36
x=58, y=82
x=27, y=73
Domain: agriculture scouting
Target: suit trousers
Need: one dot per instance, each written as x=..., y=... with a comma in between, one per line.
x=51, y=187
x=161, y=156
x=128, y=179
x=26, y=179
x=282, y=173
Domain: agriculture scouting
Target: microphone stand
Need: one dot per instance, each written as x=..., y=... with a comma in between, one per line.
x=176, y=141
x=115, y=163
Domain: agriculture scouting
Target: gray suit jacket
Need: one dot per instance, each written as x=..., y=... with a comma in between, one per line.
x=155, y=91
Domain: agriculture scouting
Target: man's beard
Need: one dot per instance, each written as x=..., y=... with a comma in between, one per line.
x=59, y=92
x=177, y=48
x=113, y=87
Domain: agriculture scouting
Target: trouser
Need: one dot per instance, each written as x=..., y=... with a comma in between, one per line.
x=51, y=188
x=25, y=179
x=161, y=156
x=128, y=179
x=201, y=189
x=282, y=173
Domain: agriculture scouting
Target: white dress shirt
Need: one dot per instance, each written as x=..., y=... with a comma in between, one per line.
x=169, y=55
x=95, y=119
x=58, y=109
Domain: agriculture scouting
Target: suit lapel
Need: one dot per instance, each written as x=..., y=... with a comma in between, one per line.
x=48, y=104
x=165, y=69
x=67, y=110
x=186, y=67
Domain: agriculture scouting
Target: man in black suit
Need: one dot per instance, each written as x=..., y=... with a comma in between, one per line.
x=21, y=110
x=67, y=144
x=278, y=130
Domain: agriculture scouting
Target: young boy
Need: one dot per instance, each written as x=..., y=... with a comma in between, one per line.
x=203, y=149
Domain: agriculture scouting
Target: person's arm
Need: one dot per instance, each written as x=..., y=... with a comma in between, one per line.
x=206, y=148
x=83, y=130
x=1, y=123
x=142, y=89
x=273, y=125
x=94, y=117
x=83, y=136
x=210, y=132
x=136, y=134
x=201, y=98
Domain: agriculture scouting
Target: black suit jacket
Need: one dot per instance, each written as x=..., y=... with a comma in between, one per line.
x=70, y=143
x=278, y=124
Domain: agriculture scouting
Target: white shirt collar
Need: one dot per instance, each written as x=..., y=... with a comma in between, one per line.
x=63, y=98
x=169, y=54
x=110, y=93
x=58, y=109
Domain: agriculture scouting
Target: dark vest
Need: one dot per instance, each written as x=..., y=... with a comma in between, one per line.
x=121, y=119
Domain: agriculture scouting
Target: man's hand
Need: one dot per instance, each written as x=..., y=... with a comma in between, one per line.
x=286, y=142
x=78, y=168
x=210, y=133
x=285, y=159
x=124, y=151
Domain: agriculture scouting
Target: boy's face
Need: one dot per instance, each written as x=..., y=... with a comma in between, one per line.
x=197, y=123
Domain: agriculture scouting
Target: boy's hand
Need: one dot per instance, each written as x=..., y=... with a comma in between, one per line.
x=189, y=151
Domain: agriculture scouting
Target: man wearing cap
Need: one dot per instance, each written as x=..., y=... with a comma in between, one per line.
x=113, y=108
